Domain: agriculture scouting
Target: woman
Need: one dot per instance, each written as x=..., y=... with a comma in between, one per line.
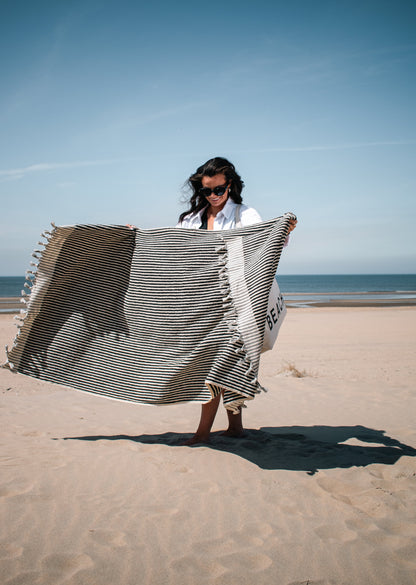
x=216, y=204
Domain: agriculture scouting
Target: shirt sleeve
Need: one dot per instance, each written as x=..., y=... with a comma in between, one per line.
x=249, y=216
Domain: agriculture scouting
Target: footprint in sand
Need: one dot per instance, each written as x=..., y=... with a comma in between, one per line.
x=64, y=566
x=33, y=434
x=193, y=567
x=338, y=489
x=397, y=528
x=28, y=578
x=407, y=553
x=205, y=487
x=260, y=530
x=11, y=491
x=10, y=551
x=250, y=562
x=308, y=582
x=110, y=538
x=335, y=533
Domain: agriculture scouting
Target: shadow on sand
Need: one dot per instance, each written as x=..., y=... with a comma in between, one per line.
x=293, y=448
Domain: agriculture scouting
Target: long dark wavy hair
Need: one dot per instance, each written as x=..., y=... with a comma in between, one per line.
x=212, y=167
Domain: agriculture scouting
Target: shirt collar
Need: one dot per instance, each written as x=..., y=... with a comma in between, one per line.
x=201, y=212
x=229, y=209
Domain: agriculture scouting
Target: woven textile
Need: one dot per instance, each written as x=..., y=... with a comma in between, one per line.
x=152, y=316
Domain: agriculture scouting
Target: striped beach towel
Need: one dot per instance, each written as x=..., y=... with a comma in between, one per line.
x=156, y=316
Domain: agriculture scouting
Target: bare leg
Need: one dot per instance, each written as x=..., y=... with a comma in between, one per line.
x=235, y=424
x=208, y=412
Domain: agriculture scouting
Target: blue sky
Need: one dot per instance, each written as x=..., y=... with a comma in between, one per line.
x=106, y=107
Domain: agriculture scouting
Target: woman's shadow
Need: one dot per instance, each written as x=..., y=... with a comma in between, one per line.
x=294, y=448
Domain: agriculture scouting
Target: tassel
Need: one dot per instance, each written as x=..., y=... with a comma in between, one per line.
x=8, y=362
x=221, y=249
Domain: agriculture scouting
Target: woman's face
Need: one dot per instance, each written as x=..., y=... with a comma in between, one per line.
x=217, y=202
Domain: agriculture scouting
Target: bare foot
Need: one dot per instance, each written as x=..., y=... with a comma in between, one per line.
x=236, y=433
x=195, y=440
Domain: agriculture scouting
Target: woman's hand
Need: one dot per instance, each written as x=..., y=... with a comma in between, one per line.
x=130, y=226
x=292, y=224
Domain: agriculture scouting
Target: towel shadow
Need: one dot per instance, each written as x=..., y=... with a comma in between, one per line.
x=294, y=448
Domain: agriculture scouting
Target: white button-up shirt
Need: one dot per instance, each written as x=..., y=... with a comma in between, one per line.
x=225, y=219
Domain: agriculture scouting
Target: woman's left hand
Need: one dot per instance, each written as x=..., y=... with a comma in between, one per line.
x=292, y=224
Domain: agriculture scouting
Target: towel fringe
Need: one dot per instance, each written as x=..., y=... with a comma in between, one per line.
x=30, y=280
x=8, y=363
x=236, y=339
x=221, y=249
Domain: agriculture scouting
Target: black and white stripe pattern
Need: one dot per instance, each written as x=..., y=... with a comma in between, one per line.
x=152, y=316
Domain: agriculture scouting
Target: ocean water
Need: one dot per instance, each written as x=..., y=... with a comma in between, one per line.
x=350, y=284
x=348, y=289
x=11, y=286
x=347, y=283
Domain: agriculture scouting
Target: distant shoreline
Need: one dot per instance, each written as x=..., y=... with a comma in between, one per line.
x=351, y=299
x=10, y=305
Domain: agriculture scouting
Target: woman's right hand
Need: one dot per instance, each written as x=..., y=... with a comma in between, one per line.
x=130, y=226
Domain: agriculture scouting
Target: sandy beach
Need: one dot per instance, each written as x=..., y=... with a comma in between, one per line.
x=321, y=490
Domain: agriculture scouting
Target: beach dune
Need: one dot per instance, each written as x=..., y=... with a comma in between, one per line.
x=321, y=490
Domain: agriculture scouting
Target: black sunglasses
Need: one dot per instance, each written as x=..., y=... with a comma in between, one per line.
x=218, y=191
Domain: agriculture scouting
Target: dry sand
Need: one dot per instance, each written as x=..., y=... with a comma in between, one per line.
x=320, y=491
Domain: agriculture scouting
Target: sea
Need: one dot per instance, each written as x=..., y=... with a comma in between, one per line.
x=348, y=289
x=301, y=290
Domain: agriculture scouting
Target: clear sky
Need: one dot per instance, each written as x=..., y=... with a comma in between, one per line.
x=107, y=106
